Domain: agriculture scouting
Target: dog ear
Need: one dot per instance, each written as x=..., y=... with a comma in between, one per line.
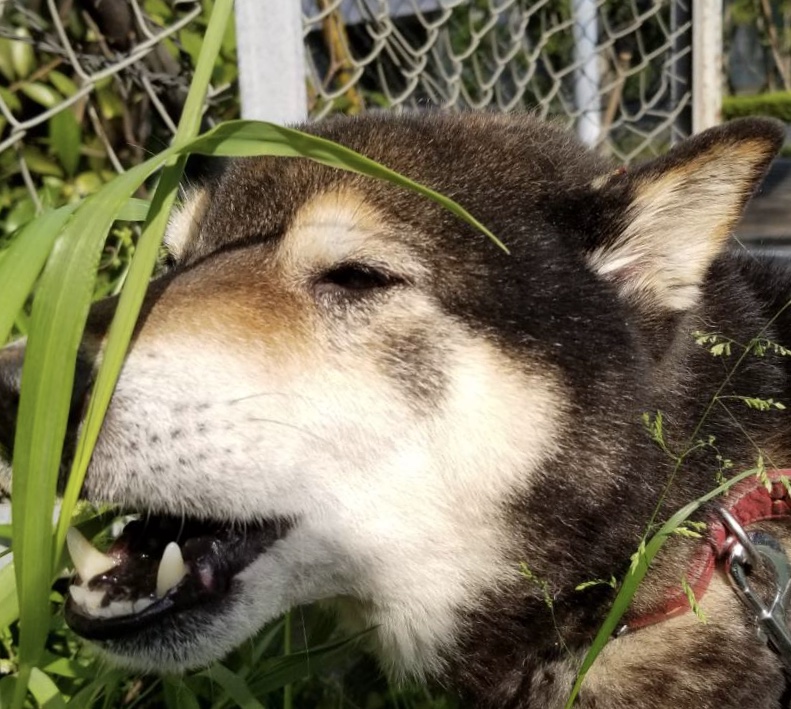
x=663, y=223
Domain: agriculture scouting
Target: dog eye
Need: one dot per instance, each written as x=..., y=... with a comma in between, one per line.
x=354, y=279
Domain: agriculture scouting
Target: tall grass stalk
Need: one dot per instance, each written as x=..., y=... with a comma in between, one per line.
x=48, y=373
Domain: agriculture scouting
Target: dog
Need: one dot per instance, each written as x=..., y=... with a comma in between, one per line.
x=338, y=391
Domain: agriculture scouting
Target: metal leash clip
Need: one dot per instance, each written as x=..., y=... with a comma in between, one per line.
x=752, y=550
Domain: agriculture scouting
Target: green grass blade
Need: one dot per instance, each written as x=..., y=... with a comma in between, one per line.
x=7, y=690
x=247, y=138
x=88, y=694
x=281, y=671
x=60, y=310
x=9, y=607
x=178, y=695
x=135, y=210
x=22, y=263
x=25, y=257
x=45, y=691
x=635, y=577
x=61, y=302
x=288, y=690
x=142, y=266
x=234, y=685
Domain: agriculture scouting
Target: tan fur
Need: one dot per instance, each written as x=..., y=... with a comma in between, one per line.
x=629, y=666
x=660, y=254
x=184, y=223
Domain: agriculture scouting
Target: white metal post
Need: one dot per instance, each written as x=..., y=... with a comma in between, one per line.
x=706, y=64
x=271, y=60
x=586, y=76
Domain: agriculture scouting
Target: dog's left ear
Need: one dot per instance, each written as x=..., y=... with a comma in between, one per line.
x=663, y=223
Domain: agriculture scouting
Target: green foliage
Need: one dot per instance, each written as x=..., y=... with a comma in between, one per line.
x=776, y=105
x=694, y=605
x=540, y=583
x=77, y=150
x=612, y=582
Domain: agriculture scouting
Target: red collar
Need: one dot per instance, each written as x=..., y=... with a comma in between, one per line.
x=748, y=502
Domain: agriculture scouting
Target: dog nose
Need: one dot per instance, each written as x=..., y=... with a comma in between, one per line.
x=11, y=358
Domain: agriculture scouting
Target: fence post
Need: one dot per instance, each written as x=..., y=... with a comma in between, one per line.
x=586, y=75
x=681, y=68
x=271, y=60
x=706, y=64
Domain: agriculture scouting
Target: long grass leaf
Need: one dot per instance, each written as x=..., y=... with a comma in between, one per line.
x=248, y=138
x=9, y=607
x=22, y=263
x=178, y=694
x=281, y=671
x=25, y=258
x=7, y=690
x=140, y=271
x=60, y=310
x=47, y=375
x=89, y=693
x=636, y=575
x=45, y=691
x=234, y=685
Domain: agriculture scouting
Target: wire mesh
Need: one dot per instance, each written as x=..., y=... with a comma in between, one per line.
x=631, y=85
x=88, y=88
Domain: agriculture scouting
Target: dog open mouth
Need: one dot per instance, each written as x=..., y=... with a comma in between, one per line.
x=159, y=567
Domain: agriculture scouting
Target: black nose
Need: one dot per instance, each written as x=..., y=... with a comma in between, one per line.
x=11, y=358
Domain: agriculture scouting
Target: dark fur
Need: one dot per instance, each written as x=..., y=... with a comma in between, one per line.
x=532, y=186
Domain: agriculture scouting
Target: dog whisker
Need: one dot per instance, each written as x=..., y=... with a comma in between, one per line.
x=294, y=427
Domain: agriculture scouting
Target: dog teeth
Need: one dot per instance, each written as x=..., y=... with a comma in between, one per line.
x=90, y=600
x=92, y=604
x=88, y=561
x=171, y=569
x=141, y=604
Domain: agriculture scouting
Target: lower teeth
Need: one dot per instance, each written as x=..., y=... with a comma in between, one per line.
x=92, y=603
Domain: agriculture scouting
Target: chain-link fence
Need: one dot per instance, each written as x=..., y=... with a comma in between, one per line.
x=90, y=87
x=617, y=69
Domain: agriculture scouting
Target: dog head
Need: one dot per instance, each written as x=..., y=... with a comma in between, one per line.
x=340, y=392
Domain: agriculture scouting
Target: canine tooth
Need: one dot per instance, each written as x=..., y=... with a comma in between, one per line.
x=88, y=560
x=171, y=569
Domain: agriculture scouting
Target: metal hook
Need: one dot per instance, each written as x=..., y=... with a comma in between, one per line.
x=736, y=529
x=771, y=617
